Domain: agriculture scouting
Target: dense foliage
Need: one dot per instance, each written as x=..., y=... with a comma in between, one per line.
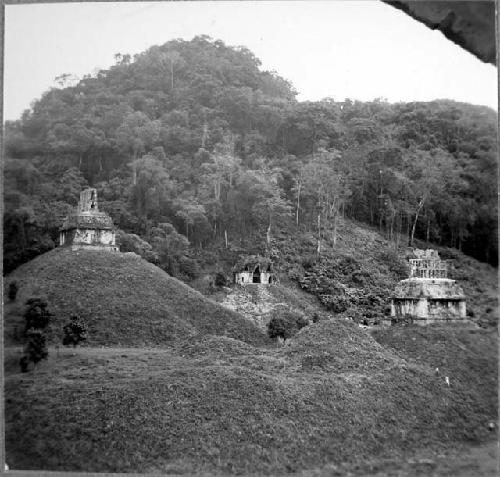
x=74, y=332
x=37, y=318
x=190, y=143
x=285, y=323
x=36, y=315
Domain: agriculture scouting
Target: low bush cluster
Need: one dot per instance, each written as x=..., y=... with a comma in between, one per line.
x=285, y=324
x=75, y=331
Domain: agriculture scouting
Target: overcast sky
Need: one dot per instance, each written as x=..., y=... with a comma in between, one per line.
x=341, y=49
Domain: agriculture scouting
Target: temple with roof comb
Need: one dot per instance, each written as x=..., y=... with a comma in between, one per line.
x=87, y=227
x=428, y=295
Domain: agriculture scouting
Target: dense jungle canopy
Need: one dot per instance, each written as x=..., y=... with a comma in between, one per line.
x=191, y=141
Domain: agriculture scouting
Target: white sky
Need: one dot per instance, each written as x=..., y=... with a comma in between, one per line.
x=355, y=49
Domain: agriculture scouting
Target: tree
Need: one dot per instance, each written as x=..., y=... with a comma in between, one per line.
x=12, y=292
x=71, y=184
x=285, y=324
x=137, y=134
x=325, y=182
x=191, y=213
x=278, y=328
x=169, y=245
x=75, y=331
x=36, y=314
x=172, y=57
x=269, y=203
x=427, y=172
x=153, y=190
x=35, y=348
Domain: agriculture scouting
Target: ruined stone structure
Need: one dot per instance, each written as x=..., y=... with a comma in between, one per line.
x=428, y=296
x=254, y=270
x=87, y=228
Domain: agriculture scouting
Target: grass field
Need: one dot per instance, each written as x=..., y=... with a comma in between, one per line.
x=334, y=398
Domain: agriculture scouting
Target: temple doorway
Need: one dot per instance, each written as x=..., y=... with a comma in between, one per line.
x=256, y=275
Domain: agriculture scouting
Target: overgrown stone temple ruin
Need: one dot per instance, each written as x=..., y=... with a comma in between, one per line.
x=428, y=295
x=254, y=270
x=87, y=227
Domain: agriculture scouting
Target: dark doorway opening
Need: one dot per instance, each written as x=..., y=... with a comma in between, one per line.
x=256, y=275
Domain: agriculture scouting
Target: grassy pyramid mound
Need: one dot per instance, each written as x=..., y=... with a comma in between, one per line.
x=124, y=300
x=216, y=405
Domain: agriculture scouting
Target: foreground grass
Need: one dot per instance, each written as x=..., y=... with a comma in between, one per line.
x=333, y=397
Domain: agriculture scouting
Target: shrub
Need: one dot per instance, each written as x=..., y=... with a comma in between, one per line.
x=35, y=348
x=12, y=292
x=189, y=267
x=309, y=261
x=402, y=320
x=74, y=332
x=277, y=328
x=36, y=315
x=23, y=363
x=301, y=322
x=319, y=316
x=360, y=277
x=220, y=280
x=394, y=263
x=449, y=254
x=171, y=266
x=285, y=323
x=337, y=304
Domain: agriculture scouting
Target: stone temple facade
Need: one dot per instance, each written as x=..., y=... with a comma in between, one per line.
x=87, y=228
x=428, y=296
x=254, y=270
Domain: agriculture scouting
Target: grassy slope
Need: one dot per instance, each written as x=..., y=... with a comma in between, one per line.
x=215, y=404
x=123, y=299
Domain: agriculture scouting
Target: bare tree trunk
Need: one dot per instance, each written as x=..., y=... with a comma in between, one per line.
x=298, y=204
x=205, y=135
x=225, y=236
x=408, y=228
x=319, y=233
x=379, y=207
x=419, y=208
x=335, y=228
x=172, y=74
x=134, y=170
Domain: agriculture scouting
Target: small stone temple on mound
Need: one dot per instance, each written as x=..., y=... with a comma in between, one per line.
x=87, y=228
x=428, y=296
x=254, y=270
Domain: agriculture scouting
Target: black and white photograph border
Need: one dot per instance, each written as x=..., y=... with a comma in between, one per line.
x=250, y=238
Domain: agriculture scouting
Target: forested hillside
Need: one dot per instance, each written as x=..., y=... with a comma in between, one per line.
x=190, y=142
